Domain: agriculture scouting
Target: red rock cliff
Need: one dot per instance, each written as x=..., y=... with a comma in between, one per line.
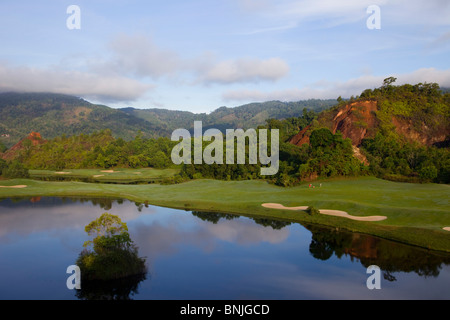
x=34, y=137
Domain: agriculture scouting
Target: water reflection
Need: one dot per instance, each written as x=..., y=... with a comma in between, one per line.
x=390, y=256
x=162, y=238
x=215, y=217
x=224, y=255
x=119, y=289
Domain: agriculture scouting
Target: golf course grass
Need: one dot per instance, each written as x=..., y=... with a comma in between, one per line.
x=415, y=213
x=122, y=175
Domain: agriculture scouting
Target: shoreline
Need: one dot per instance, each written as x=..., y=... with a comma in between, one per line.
x=246, y=198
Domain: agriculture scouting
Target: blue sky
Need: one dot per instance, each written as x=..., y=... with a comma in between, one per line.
x=198, y=55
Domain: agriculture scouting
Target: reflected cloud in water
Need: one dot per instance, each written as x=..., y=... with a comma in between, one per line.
x=22, y=217
x=156, y=238
x=227, y=256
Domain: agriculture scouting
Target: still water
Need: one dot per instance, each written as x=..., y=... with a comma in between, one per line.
x=201, y=255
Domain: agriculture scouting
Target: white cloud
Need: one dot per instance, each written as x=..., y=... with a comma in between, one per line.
x=246, y=70
x=120, y=75
x=442, y=77
x=83, y=84
x=138, y=55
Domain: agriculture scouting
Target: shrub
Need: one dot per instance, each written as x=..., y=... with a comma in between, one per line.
x=428, y=173
x=3, y=165
x=15, y=169
x=312, y=211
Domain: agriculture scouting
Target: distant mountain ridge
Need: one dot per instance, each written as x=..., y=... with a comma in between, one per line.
x=246, y=116
x=53, y=115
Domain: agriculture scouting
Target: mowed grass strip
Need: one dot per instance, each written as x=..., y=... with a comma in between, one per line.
x=416, y=213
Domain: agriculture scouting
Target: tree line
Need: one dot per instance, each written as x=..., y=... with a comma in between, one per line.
x=328, y=154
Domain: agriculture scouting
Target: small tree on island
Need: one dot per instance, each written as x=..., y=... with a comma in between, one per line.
x=113, y=254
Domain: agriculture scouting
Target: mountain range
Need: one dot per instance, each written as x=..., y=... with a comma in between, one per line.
x=53, y=115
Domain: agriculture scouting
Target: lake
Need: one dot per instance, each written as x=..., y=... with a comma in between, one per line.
x=202, y=256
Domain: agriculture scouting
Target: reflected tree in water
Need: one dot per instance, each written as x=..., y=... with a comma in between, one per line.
x=274, y=224
x=390, y=256
x=141, y=206
x=215, y=217
x=118, y=289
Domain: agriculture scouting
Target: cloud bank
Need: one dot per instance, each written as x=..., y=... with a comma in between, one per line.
x=107, y=88
x=331, y=90
x=133, y=61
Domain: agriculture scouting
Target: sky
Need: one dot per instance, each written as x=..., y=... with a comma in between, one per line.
x=199, y=55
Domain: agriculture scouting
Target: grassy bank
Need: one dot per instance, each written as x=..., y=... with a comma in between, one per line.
x=416, y=213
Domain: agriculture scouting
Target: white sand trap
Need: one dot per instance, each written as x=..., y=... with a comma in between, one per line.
x=280, y=206
x=61, y=172
x=344, y=214
x=336, y=213
x=14, y=187
x=109, y=171
x=446, y=228
x=98, y=175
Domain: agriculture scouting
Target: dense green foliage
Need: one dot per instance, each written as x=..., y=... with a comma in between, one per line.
x=395, y=159
x=312, y=211
x=113, y=253
x=2, y=147
x=291, y=126
x=423, y=104
x=328, y=155
x=426, y=109
x=99, y=150
x=13, y=169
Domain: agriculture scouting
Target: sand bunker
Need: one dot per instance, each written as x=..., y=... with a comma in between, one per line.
x=98, y=175
x=280, y=206
x=446, y=228
x=14, y=187
x=63, y=172
x=336, y=213
x=109, y=171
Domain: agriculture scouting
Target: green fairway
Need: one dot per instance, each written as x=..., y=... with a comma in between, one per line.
x=416, y=213
x=122, y=175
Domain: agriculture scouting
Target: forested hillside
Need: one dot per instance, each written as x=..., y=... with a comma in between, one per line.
x=399, y=132
x=393, y=132
x=53, y=115
x=246, y=116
